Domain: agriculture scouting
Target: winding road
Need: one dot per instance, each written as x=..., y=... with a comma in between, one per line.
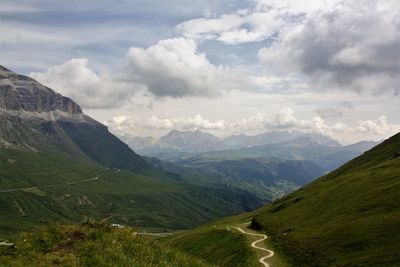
x=254, y=244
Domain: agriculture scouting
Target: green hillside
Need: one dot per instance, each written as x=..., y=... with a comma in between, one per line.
x=90, y=244
x=214, y=244
x=349, y=217
x=49, y=184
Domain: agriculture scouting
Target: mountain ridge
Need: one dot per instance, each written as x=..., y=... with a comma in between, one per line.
x=200, y=141
x=19, y=92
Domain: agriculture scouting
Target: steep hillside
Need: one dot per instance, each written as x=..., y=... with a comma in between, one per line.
x=349, y=217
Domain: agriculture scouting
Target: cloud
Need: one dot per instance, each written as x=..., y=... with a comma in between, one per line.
x=76, y=80
x=175, y=68
x=279, y=84
x=243, y=26
x=330, y=44
x=125, y=125
x=350, y=46
x=334, y=112
x=379, y=126
x=171, y=68
x=284, y=120
x=189, y=123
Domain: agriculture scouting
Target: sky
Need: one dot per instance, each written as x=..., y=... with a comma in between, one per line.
x=144, y=67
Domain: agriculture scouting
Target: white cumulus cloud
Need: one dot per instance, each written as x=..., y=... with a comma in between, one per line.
x=243, y=26
x=351, y=45
x=76, y=80
x=175, y=68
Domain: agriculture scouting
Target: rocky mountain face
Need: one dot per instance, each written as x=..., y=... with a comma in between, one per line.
x=18, y=92
x=33, y=115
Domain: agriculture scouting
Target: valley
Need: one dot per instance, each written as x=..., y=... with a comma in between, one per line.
x=274, y=199
x=176, y=133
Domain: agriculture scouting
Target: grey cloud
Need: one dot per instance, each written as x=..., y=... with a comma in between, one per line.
x=101, y=31
x=175, y=68
x=353, y=47
x=334, y=112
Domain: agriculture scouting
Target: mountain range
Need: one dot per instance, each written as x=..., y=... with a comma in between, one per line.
x=322, y=150
x=199, y=141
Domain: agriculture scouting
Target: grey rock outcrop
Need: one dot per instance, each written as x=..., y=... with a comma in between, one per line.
x=19, y=92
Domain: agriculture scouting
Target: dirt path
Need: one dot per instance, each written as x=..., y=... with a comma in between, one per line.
x=51, y=185
x=269, y=253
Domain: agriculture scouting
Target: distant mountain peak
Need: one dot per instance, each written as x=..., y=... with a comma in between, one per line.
x=22, y=93
x=189, y=141
x=321, y=140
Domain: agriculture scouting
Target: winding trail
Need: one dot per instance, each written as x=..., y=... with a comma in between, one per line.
x=254, y=244
x=50, y=185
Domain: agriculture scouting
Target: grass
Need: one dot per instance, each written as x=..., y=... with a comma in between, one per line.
x=90, y=244
x=349, y=217
x=126, y=195
x=219, y=247
x=214, y=244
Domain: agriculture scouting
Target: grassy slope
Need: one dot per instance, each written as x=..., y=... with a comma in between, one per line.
x=90, y=244
x=349, y=217
x=126, y=195
x=213, y=244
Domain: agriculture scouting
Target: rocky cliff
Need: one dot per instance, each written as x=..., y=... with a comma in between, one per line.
x=19, y=92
